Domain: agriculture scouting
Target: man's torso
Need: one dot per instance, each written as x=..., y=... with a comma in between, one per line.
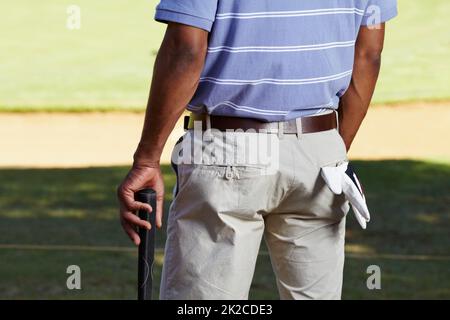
x=274, y=60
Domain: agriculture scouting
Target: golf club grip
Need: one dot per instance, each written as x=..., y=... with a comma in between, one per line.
x=147, y=245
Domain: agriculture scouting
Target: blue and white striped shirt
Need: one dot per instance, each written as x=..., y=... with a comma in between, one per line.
x=275, y=59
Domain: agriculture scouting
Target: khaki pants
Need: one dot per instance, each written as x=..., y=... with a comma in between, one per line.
x=222, y=209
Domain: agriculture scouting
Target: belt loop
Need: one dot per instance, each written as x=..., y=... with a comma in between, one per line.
x=337, y=120
x=208, y=137
x=298, y=123
x=186, y=121
x=208, y=122
x=280, y=130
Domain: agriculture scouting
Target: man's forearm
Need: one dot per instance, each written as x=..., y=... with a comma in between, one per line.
x=355, y=102
x=175, y=78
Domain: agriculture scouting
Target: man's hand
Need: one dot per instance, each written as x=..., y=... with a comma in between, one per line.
x=138, y=178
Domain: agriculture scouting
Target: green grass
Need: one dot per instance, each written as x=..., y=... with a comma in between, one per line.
x=416, y=60
x=409, y=201
x=107, y=64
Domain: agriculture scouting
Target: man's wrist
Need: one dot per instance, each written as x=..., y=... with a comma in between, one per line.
x=346, y=139
x=145, y=158
x=146, y=163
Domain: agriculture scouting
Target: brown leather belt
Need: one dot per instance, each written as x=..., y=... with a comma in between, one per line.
x=301, y=125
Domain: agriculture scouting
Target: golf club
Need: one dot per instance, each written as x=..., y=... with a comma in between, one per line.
x=147, y=245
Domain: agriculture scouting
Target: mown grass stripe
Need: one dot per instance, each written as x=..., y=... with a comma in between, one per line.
x=349, y=254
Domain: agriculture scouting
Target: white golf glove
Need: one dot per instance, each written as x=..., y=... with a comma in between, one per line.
x=341, y=179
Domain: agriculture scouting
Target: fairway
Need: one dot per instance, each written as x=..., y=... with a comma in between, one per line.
x=107, y=64
x=69, y=216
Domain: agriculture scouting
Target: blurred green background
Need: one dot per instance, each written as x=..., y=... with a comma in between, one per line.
x=51, y=218
x=107, y=63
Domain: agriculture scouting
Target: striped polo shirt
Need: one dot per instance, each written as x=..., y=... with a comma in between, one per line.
x=275, y=60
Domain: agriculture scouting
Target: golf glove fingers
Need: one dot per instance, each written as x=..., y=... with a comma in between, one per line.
x=342, y=179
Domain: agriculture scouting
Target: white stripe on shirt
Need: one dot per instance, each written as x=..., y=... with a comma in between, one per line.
x=322, y=46
x=276, y=81
x=286, y=14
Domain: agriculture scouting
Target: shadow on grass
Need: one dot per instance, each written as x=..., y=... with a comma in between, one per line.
x=409, y=201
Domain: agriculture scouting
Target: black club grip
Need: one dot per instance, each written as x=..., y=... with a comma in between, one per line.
x=147, y=245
